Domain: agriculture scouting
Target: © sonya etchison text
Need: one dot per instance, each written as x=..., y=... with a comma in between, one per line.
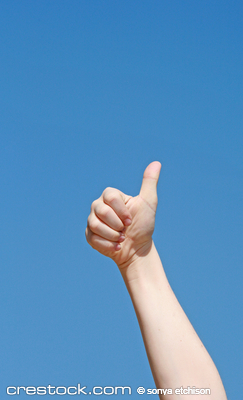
x=181, y=390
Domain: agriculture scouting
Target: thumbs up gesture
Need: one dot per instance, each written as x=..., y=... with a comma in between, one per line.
x=120, y=226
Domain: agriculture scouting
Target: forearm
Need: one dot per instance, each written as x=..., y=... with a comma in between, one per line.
x=177, y=356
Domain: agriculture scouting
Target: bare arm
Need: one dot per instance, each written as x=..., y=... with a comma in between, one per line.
x=121, y=227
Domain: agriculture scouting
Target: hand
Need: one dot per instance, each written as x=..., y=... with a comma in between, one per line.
x=121, y=226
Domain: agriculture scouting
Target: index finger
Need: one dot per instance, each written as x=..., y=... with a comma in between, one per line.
x=116, y=200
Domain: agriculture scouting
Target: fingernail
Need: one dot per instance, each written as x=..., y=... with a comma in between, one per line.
x=127, y=221
x=117, y=246
x=121, y=238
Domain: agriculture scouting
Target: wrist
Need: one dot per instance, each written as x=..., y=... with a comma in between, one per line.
x=142, y=251
x=144, y=268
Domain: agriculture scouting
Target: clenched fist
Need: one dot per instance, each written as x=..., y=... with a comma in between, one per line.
x=120, y=226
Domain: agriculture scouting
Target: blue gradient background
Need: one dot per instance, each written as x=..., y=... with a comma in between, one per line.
x=91, y=92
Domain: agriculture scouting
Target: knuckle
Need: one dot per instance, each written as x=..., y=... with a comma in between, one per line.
x=88, y=235
x=108, y=189
x=110, y=195
x=94, y=205
x=104, y=212
x=93, y=224
x=91, y=239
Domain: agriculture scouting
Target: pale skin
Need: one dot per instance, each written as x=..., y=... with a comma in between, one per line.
x=121, y=227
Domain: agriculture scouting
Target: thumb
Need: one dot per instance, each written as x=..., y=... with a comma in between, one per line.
x=148, y=189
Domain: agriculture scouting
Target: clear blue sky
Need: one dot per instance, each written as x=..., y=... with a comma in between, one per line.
x=91, y=92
